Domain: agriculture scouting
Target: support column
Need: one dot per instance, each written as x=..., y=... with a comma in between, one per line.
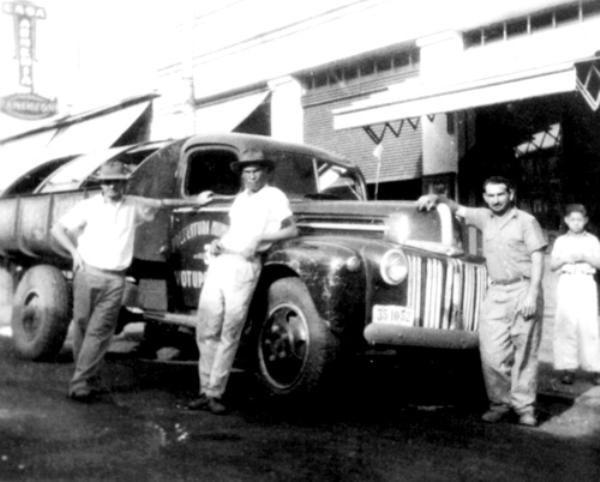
x=287, y=115
x=441, y=143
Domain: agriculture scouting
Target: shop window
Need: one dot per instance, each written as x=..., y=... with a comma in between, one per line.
x=366, y=67
x=350, y=72
x=551, y=18
x=544, y=20
x=494, y=32
x=401, y=59
x=590, y=8
x=473, y=38
x=320, y=79
x=516, y=27
x=383, y=64
x=569, y=13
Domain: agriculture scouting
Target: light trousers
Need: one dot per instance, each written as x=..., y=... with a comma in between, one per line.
x=96, y=304
x=576, y=339
x=224, y=301
x=508, y=345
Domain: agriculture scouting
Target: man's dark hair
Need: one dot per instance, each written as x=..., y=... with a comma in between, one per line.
x=498, y=180
x=575, y=208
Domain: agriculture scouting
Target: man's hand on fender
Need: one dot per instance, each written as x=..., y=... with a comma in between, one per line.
x=427, y=202
x=204, y=197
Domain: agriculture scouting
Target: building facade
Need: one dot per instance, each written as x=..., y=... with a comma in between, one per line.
x=429, y=95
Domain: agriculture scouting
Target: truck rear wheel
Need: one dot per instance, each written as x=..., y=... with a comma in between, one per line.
x=296, y=350
x=41, y=313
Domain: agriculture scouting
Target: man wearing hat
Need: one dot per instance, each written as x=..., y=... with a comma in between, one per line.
x=99, y=234
x=260, y=214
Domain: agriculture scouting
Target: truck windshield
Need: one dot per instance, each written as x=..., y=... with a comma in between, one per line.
x=298, y=175
x=305, y=176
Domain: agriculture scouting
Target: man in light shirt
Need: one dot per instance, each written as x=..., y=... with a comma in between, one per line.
x=259, y=215
x=99, y=234
x=512, y=312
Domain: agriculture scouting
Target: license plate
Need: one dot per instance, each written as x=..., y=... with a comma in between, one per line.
x=393, y=314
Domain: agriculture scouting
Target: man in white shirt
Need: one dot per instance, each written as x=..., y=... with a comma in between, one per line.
x=259, y=215
x=99, y=234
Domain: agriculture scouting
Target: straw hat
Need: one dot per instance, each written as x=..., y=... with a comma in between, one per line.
x=252, y=156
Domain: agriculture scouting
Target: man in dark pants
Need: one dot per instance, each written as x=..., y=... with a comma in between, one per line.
x=99, y=234
x=511, y=315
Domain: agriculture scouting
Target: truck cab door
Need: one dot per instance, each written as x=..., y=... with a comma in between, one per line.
x=192, y=229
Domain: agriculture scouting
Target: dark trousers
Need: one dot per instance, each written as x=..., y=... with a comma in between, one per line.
x=96, y=303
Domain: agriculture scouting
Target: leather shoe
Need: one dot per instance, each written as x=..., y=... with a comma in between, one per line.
x=494, y=415
x=528, y=420
x=82, y=396
x=216, y=406
x=200, y=403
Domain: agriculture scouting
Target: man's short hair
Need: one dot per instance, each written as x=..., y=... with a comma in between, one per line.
x=575, y=208
x=498, y=180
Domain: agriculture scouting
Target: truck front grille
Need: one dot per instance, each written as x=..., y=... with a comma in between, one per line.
x=445, y=294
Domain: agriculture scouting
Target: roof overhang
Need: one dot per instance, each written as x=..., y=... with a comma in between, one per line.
x=415, y=97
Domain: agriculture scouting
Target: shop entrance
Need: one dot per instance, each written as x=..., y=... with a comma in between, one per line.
x=550, y=148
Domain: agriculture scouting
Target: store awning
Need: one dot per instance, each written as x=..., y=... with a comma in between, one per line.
x=70, y=136
x=226, y=115
x=414, y=97
x=95, y=133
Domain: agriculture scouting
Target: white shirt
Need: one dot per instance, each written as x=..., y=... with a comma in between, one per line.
x=569, y=243
x=105, y=230
x=253, y=215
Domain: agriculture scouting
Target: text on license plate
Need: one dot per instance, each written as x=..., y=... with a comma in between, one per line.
x=397, y=315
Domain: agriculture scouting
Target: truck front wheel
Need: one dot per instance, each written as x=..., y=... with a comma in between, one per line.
x=41, y=313
x=296, y=350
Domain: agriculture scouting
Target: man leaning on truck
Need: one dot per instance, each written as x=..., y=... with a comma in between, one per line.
x=510, y=322
x=260, y=214
x=99, y=232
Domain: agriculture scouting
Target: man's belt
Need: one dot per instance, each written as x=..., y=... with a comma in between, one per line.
x=508, y=281
x=253, y=257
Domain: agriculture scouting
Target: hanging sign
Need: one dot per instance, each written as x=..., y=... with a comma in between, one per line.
x=26, y=105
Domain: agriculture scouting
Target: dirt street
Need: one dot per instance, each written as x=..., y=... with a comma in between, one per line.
x=391, y=423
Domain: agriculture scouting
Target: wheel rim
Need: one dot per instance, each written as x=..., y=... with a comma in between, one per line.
x=31, y=315
x=284, y=345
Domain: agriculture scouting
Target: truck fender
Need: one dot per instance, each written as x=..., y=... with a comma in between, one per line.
x=334, y=276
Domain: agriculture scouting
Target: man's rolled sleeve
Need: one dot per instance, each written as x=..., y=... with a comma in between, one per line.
x=75, y=218
x=533, y=235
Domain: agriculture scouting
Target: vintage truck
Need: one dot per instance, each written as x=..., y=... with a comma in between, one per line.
x=362, y=275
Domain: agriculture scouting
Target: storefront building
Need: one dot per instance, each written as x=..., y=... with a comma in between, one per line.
x=419, y=101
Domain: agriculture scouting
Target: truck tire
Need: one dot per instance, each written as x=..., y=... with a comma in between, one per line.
x=296, y=350
x=41, y=313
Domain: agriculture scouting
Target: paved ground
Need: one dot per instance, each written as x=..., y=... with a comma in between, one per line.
x=387, y=426
x=414, y=419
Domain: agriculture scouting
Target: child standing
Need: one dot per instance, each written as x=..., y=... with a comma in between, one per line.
x=576, y=256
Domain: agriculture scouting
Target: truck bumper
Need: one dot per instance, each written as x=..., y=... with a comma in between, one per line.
x=390, y=334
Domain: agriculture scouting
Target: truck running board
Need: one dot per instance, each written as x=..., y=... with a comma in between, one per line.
x=170, y=318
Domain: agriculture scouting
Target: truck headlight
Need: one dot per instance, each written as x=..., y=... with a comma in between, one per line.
x=393, y=267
